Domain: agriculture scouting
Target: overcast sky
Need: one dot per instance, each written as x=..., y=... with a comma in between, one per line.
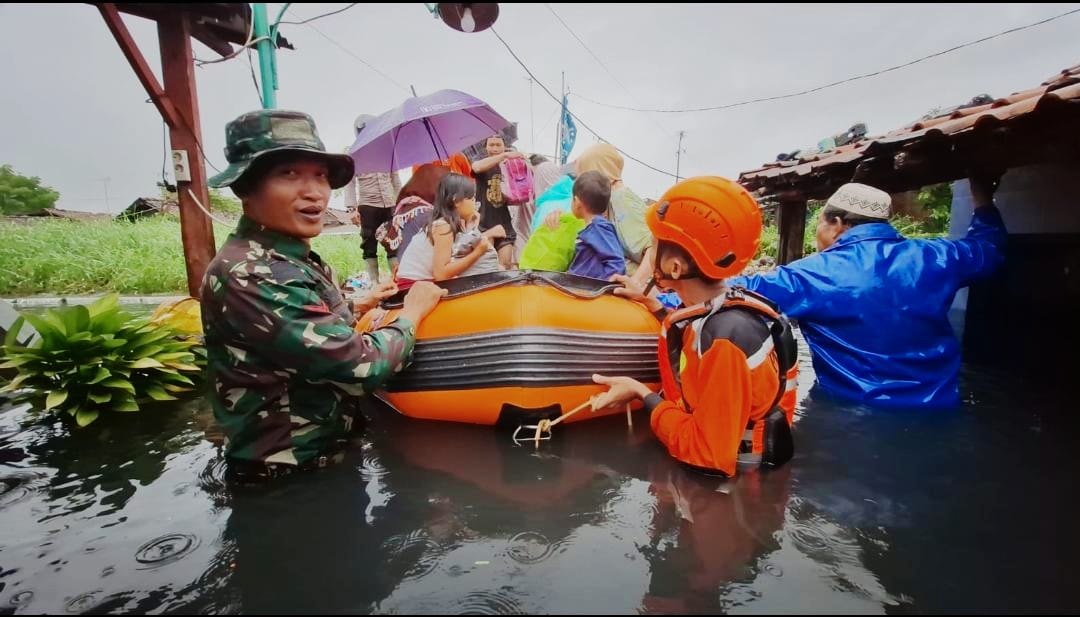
x=73, y=112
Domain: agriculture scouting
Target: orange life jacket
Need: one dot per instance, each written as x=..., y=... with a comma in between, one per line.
x=729, y=387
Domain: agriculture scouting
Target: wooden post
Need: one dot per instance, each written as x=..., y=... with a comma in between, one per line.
x=791, y=217
x=179, y=107
x=178, y=69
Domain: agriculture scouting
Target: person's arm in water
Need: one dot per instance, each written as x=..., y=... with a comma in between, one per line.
x=280, y=310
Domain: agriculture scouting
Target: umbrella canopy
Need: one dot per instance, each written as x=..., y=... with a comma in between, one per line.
x=424, y=129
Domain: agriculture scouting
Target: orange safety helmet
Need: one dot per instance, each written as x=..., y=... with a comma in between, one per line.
x=714, y=219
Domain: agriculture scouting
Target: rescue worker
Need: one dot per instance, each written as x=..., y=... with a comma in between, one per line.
x=873, y=305
x=283, y=359
x=728, y=362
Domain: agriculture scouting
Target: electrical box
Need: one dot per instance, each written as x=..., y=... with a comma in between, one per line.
x=181, y=168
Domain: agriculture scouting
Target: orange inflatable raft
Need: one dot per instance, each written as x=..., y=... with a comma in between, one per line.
x=511, y=348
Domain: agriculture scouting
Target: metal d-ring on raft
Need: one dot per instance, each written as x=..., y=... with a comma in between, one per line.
x=543, y=427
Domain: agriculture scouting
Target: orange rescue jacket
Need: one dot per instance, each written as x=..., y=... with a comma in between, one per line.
x=729, y=371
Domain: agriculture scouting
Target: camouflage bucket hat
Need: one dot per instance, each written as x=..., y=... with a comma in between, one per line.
x=258, y=133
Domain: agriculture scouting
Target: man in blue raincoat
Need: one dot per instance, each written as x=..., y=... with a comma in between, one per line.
x=873, y=306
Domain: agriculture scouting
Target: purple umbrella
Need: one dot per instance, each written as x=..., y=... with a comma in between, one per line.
x=424, y=129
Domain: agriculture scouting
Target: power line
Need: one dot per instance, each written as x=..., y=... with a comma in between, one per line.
x=198, y=142
x=544, y=126
x=572, y=114
x=251, y=65
x=311, y=19
x=600, y=62
x=835, y=83
x=364, y=62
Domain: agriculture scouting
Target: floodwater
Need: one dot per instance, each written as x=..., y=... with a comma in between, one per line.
x=971, y=510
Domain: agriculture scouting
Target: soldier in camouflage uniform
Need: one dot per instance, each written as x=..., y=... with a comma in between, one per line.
x=283, y=358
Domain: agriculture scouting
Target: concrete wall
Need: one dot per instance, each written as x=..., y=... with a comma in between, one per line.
x=1037, y=199
x=1041, y=208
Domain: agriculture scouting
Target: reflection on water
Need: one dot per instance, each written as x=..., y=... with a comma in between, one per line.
x=879, y=512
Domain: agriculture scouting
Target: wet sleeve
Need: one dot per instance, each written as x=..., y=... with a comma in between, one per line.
x=280, y=312
x=980, y=252
x=710, y=436
x=794, y=288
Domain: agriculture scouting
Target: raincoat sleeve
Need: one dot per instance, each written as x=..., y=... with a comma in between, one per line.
x=978, y=253
x=795, y=288
x=280, y=311
x=710, y=436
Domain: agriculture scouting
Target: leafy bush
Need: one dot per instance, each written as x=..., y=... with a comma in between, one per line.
x=23, y=194
x=936, y=202
x=95, y=359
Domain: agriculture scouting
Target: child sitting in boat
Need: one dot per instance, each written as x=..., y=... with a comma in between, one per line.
x=597, y=253
x=451, y=246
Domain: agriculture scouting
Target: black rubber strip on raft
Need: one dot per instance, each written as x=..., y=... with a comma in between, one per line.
x=530, y=357
x=569, y=284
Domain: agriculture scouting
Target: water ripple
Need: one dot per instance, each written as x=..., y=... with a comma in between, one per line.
x=402, y=549
x=530, y=547
x=489, y=603
x=166, y=550
x=15, y=486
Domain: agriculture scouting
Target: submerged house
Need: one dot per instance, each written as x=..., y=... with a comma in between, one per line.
x=1035, y=135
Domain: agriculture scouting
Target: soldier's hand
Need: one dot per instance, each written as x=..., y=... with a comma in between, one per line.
x=385, y=290
x=372, y=299
x=422, y=298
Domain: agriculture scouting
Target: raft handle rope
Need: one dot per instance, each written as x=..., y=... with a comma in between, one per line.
x=544, y=426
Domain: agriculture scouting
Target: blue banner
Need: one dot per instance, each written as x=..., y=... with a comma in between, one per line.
x=567, y=133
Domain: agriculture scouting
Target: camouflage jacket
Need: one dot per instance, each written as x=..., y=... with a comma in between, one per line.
x=282, y=354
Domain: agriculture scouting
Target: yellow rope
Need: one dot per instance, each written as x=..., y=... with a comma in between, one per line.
x=545, y=426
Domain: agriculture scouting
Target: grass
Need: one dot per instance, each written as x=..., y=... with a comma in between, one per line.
x=59, y=257
x=144, y=257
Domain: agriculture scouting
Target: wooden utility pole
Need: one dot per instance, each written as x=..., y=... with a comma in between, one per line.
x=678, y=155
x=179, y=107
x=178, y=68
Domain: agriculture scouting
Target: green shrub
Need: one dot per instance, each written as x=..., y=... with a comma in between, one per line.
x=96, y=359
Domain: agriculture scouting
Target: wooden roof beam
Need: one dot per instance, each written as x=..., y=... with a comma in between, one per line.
x=138, y=63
